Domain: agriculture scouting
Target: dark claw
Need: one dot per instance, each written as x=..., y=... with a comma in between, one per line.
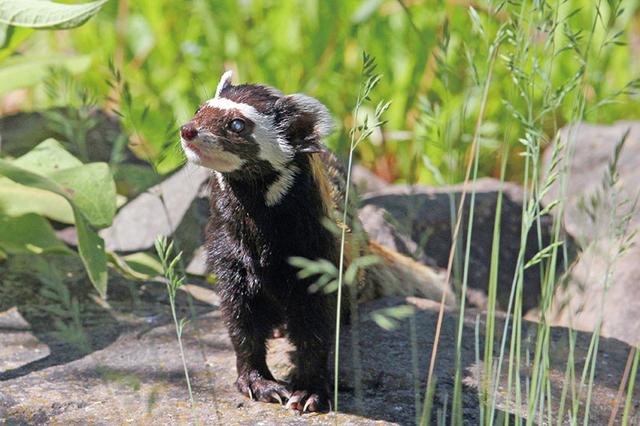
x=258, y=388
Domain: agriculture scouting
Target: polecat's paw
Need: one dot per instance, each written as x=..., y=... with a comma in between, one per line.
x=304, y=401
x=256, y=387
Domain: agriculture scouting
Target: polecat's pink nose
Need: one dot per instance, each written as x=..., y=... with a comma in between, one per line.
x=188, y=132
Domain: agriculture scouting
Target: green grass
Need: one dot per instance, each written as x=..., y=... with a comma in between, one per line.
x=432, y=56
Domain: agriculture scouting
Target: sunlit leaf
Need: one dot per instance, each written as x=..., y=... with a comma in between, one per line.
x=46, y=14
x=90, y=191
x=16, y=200
x=5, y=32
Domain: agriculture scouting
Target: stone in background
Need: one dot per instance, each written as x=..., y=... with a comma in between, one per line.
x=580, y=302
x=417, y=221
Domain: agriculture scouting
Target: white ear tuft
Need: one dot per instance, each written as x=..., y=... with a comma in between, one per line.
x=225, y=81
x=323, y=122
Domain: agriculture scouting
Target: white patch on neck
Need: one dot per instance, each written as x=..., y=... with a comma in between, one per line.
x=220, y=179
x=278, y=189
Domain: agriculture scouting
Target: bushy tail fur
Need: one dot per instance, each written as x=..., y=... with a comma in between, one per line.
x=395, y=274
x=399, y=275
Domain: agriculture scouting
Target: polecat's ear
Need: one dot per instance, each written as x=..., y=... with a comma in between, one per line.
x=305, y=121
x=225, y=81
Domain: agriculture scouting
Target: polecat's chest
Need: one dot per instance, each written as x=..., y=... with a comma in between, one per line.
x=274, y=237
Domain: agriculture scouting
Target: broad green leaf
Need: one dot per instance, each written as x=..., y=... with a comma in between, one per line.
x=91, y=249
x=14, y=38
x=26, y=71
x=16, y=200
x=48, y=156
x=144, y=263
x=91, y=189
x=91, y=192
x=49, y=167
x=29, y=234
x=25, y=177
x=45, y=14
x=141, y=265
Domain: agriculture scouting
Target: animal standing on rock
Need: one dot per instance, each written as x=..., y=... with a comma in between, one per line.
x=273, y=185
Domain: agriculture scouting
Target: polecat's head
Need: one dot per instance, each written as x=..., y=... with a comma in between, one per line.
x=252, y=130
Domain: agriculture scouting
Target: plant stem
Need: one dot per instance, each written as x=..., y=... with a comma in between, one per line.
x=179, y=334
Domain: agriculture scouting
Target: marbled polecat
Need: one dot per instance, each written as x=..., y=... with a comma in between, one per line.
x=273, y=185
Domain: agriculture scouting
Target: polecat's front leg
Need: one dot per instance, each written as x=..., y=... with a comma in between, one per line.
x=309, y=327
x=250, y=323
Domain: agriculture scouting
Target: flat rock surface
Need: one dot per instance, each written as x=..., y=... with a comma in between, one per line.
x=133, y=372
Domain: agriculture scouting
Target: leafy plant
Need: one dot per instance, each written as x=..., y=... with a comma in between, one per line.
x=87, y=190
x=330, y=278
x=28, y=234
x=47, y=14
x=48, y=181
x=23, y=16
x=478, y=90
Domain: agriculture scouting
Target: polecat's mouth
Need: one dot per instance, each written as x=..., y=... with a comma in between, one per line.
x=191, y=147
x=220, y=161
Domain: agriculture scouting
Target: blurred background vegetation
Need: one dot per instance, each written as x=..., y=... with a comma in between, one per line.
x=154, y=61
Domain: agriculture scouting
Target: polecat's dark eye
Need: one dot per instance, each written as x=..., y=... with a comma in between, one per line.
x=236, y=125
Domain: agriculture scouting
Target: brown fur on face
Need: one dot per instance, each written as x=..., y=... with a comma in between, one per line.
x=215, y=135
x=216, y=121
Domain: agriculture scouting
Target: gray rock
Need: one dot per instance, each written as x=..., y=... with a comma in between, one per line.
x=138, y=377
x=593, y=150
x=6, y=402
x=417, y=221
x=365, y=180
x=601, y=284
x=198, y=263
x=162, y=210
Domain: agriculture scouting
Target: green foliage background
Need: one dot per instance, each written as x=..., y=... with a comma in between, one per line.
x=171, y=55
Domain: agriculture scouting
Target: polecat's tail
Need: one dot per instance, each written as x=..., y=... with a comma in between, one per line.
x=399, y=275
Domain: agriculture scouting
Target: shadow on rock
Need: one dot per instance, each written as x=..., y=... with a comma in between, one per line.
x=394, y=366
x=59, y=315
x=418, y=221
x=50, y=305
